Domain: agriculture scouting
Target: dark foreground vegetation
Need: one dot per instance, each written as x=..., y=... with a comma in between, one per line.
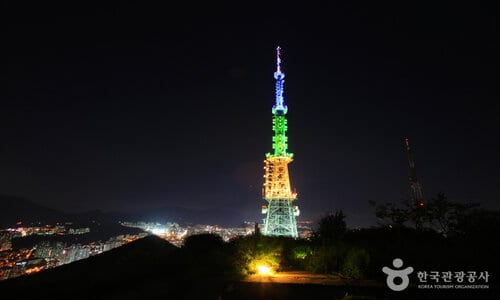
x=206, y=267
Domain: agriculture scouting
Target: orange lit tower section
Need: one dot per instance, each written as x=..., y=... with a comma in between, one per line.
x=280, y=211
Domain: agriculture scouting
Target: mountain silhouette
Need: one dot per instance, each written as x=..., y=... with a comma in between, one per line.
x=148, y=267
x=18, y=209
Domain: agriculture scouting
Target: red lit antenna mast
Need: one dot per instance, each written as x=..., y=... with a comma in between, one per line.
x=415, y=187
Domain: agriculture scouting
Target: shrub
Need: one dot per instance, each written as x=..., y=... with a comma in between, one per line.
x=205, y=254
x=249, y=252
x=325, y=259
x=355, y=263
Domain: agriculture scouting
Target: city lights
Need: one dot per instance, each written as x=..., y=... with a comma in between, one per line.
x=175, y=233
x=47, y=254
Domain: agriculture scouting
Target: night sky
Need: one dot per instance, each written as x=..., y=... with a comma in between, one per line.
x=127, y=106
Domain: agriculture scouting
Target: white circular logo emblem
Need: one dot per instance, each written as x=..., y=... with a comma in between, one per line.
x=393, y=274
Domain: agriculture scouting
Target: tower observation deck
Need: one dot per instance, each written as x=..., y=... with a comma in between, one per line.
x=277, y=192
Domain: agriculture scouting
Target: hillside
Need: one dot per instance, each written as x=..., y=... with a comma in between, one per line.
x=151, y=268
x=16, y=209
x=127, y=271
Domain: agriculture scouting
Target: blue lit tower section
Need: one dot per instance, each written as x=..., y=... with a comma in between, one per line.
x=277, y=192
x=279, y=107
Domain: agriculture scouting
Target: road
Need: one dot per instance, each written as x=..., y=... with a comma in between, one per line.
x=310, y=278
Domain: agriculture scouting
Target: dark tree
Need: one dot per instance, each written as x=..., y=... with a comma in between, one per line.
x=477, y=224
x=443, y=214
x=332, y=226
x=256, y=229
x=204, y=254
x=393, y=215
x=438, y=213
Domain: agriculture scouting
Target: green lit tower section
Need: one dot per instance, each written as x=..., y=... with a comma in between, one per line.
x=277, y=192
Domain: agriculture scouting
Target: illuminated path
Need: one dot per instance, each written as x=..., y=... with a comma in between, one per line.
x=310, y=278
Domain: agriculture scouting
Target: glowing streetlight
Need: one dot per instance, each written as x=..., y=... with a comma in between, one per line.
x=264, y=270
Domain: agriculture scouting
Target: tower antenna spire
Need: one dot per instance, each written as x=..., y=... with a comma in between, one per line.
x=279, y=107
x=278, y=60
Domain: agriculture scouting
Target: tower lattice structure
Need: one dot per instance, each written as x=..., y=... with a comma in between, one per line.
x=277, y=191
x=415, y=187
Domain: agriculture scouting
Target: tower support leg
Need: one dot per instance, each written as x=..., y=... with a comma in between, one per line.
x=280, y=218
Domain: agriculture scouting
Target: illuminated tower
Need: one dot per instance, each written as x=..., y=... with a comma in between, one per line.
x=280, y=211
x=415, y=187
